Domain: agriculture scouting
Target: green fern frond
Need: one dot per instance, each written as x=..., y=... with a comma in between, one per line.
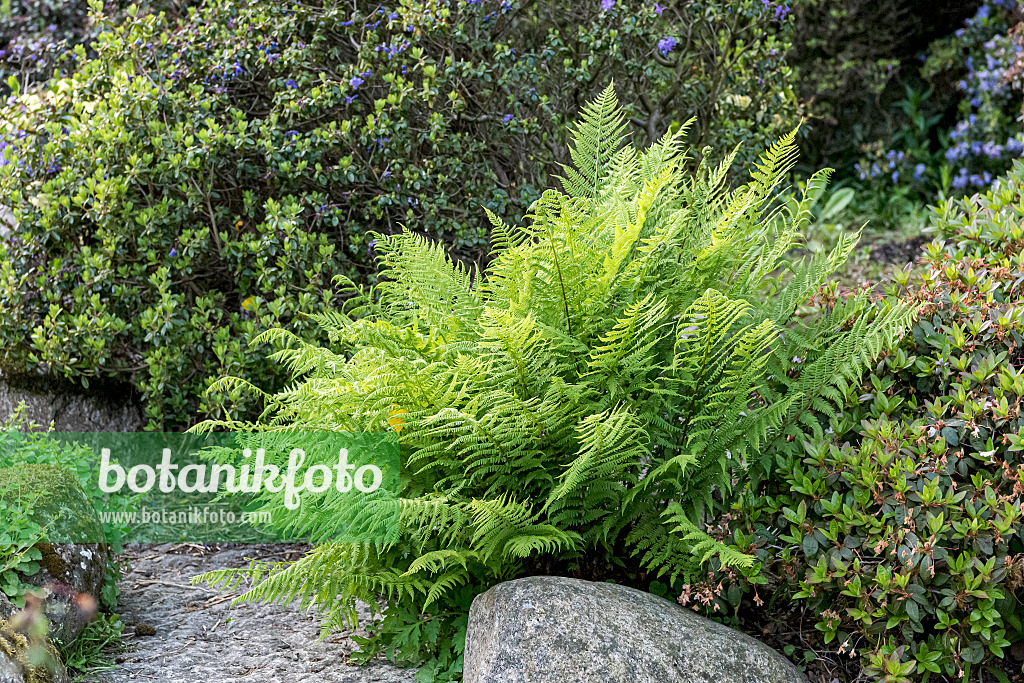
x=623, y=366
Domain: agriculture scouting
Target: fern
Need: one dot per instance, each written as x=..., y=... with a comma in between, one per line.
x=627, y=358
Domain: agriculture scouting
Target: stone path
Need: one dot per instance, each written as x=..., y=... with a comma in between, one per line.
x=197, y=639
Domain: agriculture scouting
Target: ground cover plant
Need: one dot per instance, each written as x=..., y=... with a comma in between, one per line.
x=580, y=405
x=899, y=535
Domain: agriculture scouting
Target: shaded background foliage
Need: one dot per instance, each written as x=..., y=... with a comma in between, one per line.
x=853, y=61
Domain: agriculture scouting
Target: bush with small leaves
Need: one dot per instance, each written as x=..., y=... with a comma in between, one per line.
x=191, y=183
x=900, y=533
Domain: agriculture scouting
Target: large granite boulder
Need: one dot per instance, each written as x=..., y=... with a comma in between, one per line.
x=546, y=629
x=28, y=658
x=72, y=570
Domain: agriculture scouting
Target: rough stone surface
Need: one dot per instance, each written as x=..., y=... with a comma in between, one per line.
x=196, y=637
x=70, y=409
x=549, y=629
x=69, y=571
x=7, y=608
x=7, y=221
x=16, y=653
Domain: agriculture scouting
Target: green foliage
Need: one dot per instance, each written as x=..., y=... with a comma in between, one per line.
x=845, y=54
x=901, y=533
x=37, y=36
x=588, y=400
x=91, y=651
x=21, y=444
x=194, y=182
x=18, y=554
x=975, y=74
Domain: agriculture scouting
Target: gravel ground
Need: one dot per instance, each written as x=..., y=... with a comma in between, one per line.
x=196, y=638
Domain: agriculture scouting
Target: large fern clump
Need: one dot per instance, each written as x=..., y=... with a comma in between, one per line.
x=585, y=403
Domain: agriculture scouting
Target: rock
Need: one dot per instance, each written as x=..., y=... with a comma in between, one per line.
x=28, y=659
x=7, y=608
x=549, y=629
x=71, y=573
x=7, y=222
x=111, y=409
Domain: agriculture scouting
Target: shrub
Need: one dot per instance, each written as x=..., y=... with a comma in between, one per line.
x=37, y=37
x=197, y=182
x=34, y=35
x=580, y=405
x=901, y=534
x=845, y=54
x=986, y=137
x=982, y=59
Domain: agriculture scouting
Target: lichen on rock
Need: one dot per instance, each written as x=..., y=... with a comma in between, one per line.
x=28, y=658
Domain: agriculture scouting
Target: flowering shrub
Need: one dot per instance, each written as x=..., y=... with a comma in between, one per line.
x=987, y=135
x=901, y=532
x=197, y=181
x=34, y=35
x=37, y=37
x=852, y=59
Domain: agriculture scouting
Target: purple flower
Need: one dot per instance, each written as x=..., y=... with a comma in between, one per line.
x=781, y=12
x=356, y=81
x=174, y=252
x=658, y=9
x=393, y=16
x=508, y=117
x=667, y=44
x=290, y=84
x=607, y=4
x=895, y=176
x=919, y=171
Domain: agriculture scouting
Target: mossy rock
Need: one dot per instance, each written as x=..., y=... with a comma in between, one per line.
x=75, y=563
x=62, y=504
x=25, y=659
